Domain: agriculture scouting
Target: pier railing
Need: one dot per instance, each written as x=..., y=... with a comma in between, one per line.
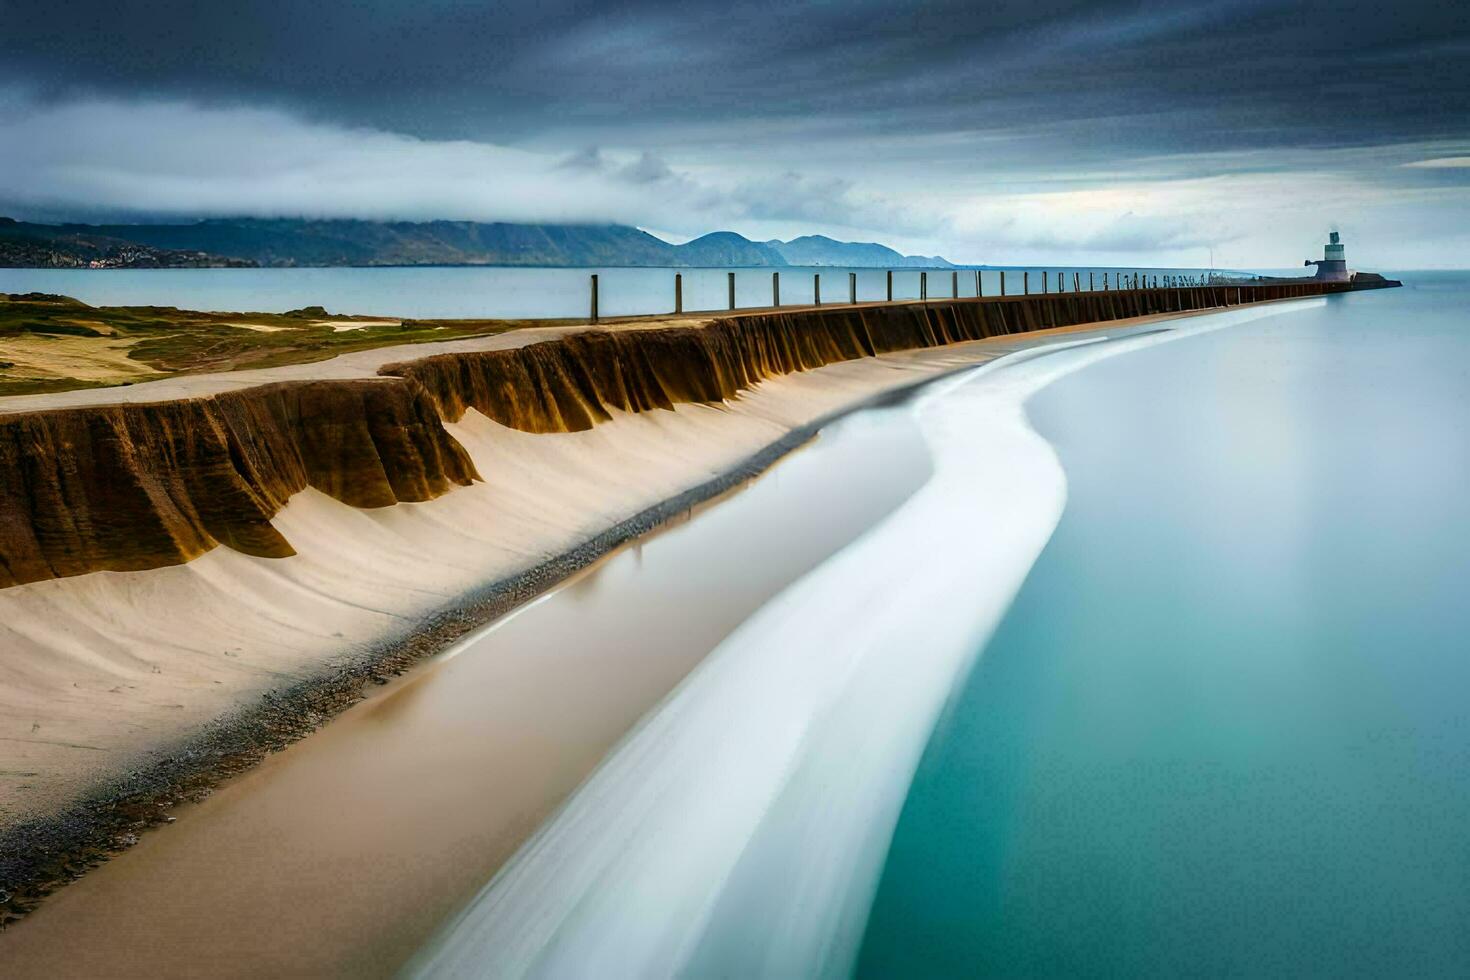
x=1146, y=292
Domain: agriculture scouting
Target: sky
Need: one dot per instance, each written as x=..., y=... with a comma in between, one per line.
x=1235, y=132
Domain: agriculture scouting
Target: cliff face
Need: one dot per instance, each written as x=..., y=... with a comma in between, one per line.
x=141, y=486
x=569, y=384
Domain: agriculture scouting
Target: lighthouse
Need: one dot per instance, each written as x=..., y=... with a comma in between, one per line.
x=1333, y=265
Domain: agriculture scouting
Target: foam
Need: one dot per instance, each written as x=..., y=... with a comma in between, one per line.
x=740, y=829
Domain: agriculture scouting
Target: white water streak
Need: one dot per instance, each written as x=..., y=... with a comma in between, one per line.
x=740, y=830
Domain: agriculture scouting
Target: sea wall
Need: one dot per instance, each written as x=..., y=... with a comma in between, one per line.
x=138, y=486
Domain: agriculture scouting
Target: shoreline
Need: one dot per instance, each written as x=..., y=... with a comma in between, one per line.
x=560, y=899
x=43, y=853
x=52, y=851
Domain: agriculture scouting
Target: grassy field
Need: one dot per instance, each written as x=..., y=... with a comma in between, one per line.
x=55, y=343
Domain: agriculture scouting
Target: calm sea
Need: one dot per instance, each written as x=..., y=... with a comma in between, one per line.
x=1225, y=727
x=429, y=292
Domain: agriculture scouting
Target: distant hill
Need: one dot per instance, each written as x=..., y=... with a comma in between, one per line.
x=728, y=248
x=29, y=246
x=341, y=242
x=821, y=250
x=295, y=242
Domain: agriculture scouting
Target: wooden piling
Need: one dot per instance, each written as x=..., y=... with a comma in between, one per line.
x=924, y=286
x=678, y=292
x=852, y=288
x=890, y=285
x=732, y=289
x=816, y=289
x=594, y=297
x=775, y=289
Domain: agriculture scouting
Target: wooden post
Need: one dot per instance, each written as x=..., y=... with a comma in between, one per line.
x=1002, y=282
x=594, y=297
x=924, y=286
x=1026, y=283
x=816, y=289
x=1043, y=282
x=852, y=287
x=890, y=285
x=678, y=292
x=1076, y=282
x=1091, y=286
x=732, y=289
x=954, y=284
x=775, y=289
x=979, y=285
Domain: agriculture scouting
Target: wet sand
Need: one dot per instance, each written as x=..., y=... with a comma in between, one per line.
x=227, y=628
x=388, y=819
x=103, y=669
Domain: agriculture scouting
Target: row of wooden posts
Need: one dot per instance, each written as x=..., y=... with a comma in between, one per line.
x=1122, y=281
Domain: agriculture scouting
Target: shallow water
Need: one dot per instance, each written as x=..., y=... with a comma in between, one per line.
x=1224, y=728
x=339, y=855
x=740, y=829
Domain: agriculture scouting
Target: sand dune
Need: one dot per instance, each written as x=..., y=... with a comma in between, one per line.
x=84, y=358
x=102, y=667
x=346, y=494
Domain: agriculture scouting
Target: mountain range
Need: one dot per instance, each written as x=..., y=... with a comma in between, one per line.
x=344, y=242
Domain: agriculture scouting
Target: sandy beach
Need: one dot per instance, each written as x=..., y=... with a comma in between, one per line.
x=147, y=687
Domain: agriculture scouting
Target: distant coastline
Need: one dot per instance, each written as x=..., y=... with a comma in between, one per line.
x=304, y=243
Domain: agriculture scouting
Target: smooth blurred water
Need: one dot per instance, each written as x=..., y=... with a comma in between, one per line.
x=1225, y=727
x=430, y=292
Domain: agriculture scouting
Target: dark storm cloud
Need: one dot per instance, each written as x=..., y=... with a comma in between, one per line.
x=1097, y=78
x=1042, y=130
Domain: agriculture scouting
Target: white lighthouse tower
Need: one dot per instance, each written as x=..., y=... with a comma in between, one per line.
x=1333, y=264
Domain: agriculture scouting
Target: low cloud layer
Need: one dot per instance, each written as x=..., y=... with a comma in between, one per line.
x=170, y=159
x=153, y=160
x=1104, y=132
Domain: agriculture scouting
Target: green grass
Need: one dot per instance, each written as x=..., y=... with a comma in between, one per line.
x=174, y=341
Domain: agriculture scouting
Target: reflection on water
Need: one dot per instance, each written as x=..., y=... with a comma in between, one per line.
x=740, y=830
x=339, y=855
x=1223, y=729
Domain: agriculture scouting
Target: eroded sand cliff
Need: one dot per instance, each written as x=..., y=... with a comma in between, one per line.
x=107, y=486
x=358, y=498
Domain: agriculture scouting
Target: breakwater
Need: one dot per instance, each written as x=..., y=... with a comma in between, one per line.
x=137, y=486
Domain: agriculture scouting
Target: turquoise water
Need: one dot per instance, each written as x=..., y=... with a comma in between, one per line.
x=494, y=291
x=1225, y=727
